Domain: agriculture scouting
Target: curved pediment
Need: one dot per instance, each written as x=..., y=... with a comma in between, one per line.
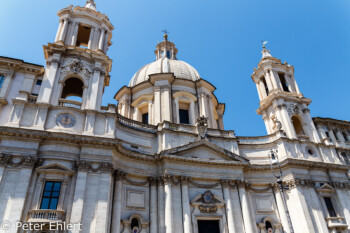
x=204, y=149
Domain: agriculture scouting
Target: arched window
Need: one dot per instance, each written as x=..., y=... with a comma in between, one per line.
x=265, y=85
x=298, y=127
x=283, y=82
x=73, y=89
x=134, y=225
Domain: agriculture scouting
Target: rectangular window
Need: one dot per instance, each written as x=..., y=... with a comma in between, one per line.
x=38, y=82
x=283, y=82
x=145, y=118
x=345, y=158
x=208, y=226
x=83, y=36
x=50, y=196
x=330, y=207
x=2, y=79
x=184, y=117
x=327, y=134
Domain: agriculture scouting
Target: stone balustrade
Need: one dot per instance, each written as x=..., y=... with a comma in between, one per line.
x=69, y=103
x=46, y=215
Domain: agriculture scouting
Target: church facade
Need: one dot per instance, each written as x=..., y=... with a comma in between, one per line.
x=160, y=161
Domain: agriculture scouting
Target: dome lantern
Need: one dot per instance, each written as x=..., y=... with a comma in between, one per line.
x=166, y=48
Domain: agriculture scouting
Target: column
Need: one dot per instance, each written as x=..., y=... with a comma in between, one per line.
x=276, y=82
x=177, y=109
x=153, y=205
x=102, y=210
x=203, y=110
x=59, y=30
x=64, y=30
x=268, y=81
x=262, y=91
x=15, y=206
x=192, y=114
x=161, y=207
x=186, y=211
x=296, y=85
x=246, y=212
x=317, y=207
x=237, y=211
x=75, y=33
x=84, y=100
x=280, y=208
x=150, y=115
x=229, y=209
x=168, y=205
x=91, y=38
x=94, y=87
x=102, y=39
x=105, y=46
x=165, y=103
x=211, y=109
x=298, y=209
x=157, y=102
x=118, y=202
x=79, y=196
x=46, y=88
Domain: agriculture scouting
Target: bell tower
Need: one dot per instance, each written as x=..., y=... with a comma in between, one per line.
x=282, y=105
x=77, y=65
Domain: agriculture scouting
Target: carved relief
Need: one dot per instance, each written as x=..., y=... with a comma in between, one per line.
x=76, y=66
x=202, y=127
x=293, y=109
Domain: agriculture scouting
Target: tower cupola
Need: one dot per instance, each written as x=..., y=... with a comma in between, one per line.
x=282, y=105
x=166, y=48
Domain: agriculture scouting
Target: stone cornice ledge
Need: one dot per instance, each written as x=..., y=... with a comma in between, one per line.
x=299, y=163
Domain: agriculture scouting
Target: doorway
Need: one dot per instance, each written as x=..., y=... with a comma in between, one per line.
x=208, y=226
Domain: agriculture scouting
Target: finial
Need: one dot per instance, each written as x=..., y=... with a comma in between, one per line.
x=165, y=36
x=263, y=43
x=90, y=4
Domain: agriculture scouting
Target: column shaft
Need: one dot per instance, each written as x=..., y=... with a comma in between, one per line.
x=247, y=216
x=168, y=208
x=229, y=210
x=117, y=205
x=153, y=207
x=64, y=30
x=186, y=211
x=59, y=30
x=102, y=38
x=91, y=38
x=75, y=34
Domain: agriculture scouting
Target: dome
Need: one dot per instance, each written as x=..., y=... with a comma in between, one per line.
x=180, y=69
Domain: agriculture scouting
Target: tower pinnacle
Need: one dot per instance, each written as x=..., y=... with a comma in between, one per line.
x=90, y=4
x=265, y=52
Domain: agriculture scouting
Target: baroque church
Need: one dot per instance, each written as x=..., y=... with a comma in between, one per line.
x=160, y=161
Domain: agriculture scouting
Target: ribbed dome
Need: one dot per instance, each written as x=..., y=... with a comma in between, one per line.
x=164, y=65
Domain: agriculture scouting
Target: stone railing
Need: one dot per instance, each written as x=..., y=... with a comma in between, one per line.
x=335, y=222
x=32, y=99
x=46, y=215
x=69, y=103
x=136, y=124
x=258, y=140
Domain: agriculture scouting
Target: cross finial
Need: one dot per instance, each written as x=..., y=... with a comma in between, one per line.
x=263, y=44
x=90, y=4
x=165, y=36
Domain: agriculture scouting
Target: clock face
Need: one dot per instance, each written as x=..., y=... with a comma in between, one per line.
x=65, y=120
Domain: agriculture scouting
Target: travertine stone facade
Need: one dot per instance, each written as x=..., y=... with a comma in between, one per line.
x=160, y=161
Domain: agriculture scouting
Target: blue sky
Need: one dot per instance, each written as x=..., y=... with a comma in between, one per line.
x=221, y=39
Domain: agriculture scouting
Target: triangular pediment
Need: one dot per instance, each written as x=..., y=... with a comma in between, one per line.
x=55, y=168
x=205, y=150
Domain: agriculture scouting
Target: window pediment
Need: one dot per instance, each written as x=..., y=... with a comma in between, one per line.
x=55, y=168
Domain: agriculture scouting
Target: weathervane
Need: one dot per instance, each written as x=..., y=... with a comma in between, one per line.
x=165, y=34
x=263, y=43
